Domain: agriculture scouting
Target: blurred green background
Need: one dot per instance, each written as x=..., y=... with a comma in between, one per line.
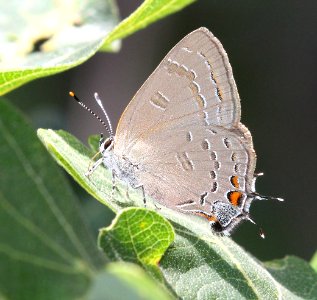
x=272, y=47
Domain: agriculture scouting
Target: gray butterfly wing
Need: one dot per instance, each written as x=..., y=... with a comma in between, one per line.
x=196, y=165
x=182, y=131
x=194, y=80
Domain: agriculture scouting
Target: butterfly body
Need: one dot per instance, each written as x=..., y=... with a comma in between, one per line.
x=121, y=167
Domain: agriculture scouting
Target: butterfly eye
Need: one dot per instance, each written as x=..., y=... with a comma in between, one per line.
x=104, y=144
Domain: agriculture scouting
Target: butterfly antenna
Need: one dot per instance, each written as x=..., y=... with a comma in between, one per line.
x=105, y=112
x=107, y=126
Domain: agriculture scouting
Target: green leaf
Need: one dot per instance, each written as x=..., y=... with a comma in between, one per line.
x=296, y=275
x=313, y=262
x=125, y=281
x=93, y=142
x=74, y=31
x=199, y=264
x=46, y=251
x=69, y=34
x=137, y=235
x=149, y=12
x=205, y=266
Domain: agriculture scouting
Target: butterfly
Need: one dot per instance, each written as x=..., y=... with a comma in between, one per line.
x=180, y=138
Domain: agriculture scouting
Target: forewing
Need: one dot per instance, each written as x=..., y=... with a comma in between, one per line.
x=193, y=82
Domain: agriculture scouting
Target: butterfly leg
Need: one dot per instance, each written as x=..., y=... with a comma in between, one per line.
x=93, y=167
x=144, y=198
x=92, y=160
x=113, y=184
x=127, y=192
x=156, y=206
x=143, y=193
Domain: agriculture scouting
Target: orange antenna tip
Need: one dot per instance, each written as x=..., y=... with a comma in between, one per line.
x=72, y=94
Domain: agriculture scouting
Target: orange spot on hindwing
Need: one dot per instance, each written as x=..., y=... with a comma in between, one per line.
x=234, y=197
x=206, y=216
x=235, y=181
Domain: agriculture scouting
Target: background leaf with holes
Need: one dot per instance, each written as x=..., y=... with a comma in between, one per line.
x=39, y=38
